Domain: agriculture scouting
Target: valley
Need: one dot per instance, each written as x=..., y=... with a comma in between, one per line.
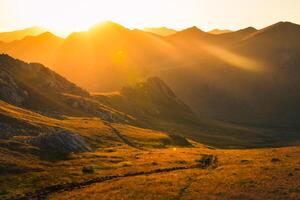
x=97, y=146
x=115, y=112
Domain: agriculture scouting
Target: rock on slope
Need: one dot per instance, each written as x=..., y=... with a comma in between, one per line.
x=60, y=142
x=32, y=85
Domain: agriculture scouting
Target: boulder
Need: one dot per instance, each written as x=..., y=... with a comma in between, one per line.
x=10, y=91
x=60, y=142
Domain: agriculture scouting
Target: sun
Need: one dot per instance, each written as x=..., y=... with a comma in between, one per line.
x=64, y=17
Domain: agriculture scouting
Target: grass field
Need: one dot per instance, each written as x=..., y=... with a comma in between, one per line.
x=129, y=162
x=240, y=174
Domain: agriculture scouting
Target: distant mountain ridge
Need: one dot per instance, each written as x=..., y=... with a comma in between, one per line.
x=162, y=31
x=225, y=76
x=219, y=31
x=33, y=98
x=20, y=34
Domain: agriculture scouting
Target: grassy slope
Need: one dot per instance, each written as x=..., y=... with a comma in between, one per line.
x=23, y=168
x=27, y=172
x=94, y=129
x=241, y=174
x=177, y=120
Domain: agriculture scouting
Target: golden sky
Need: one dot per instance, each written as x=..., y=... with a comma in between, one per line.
x=64, y=16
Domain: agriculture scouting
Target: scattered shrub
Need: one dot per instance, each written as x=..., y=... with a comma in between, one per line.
x=275, y=160
x=88, y=169
x=154, y=163
x=207, y=161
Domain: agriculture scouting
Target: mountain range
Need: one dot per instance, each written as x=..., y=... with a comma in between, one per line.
x=162, y=31
x=21, y=34
x=247, y=76
x=219, y=31
x=114, y=113
x=35, y=89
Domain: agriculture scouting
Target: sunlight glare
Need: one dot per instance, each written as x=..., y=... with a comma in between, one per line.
x=233, y=59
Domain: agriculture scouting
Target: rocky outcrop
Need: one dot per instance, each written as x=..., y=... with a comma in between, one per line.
x=37, y=77
x=154, y=97
x=154, y=88
x=90, y=106
x=60, y=142
x=35, y=87
x=10, y=91
x=156, y=92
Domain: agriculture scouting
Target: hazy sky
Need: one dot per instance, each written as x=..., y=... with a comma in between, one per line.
x=72, y=15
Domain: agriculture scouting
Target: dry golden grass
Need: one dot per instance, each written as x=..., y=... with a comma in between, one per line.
x=241, y=174
x=141, y=136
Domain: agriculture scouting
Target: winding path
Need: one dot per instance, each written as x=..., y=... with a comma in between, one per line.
x=45, y=192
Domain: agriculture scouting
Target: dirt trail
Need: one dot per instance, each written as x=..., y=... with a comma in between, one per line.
x=45, y=192
x=122, y=137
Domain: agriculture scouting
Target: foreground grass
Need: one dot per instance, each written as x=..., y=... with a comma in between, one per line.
x=240, y=174
x=270, y=173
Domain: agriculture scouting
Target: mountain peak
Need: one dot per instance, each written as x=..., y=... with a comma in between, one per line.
x=162, y=31
x=4, y=56
x=192, y=33
x=154, y=97
x=35, y=28
x=20, y=34
x=46, y=36
x=107, y=25
x=219, y=31
x=250, y=28
x=279, y=30
x=193, y=29
x=159, y=86
x=284, y=25
x=153, y=87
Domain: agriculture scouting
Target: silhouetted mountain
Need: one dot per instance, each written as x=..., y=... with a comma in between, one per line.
x=279, y=38
x=191, y=33
x=242, y=76
x=20, y=34
x=105, y=49
x=219, y=31
x=162, y=31
x=236, y=36
x=35, y=48
x=253, y=72
x=107, y=26
x=38, y=97
x=110, y=49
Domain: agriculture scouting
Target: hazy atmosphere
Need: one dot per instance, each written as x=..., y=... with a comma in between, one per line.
x=67, y=16
x=149, y=100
